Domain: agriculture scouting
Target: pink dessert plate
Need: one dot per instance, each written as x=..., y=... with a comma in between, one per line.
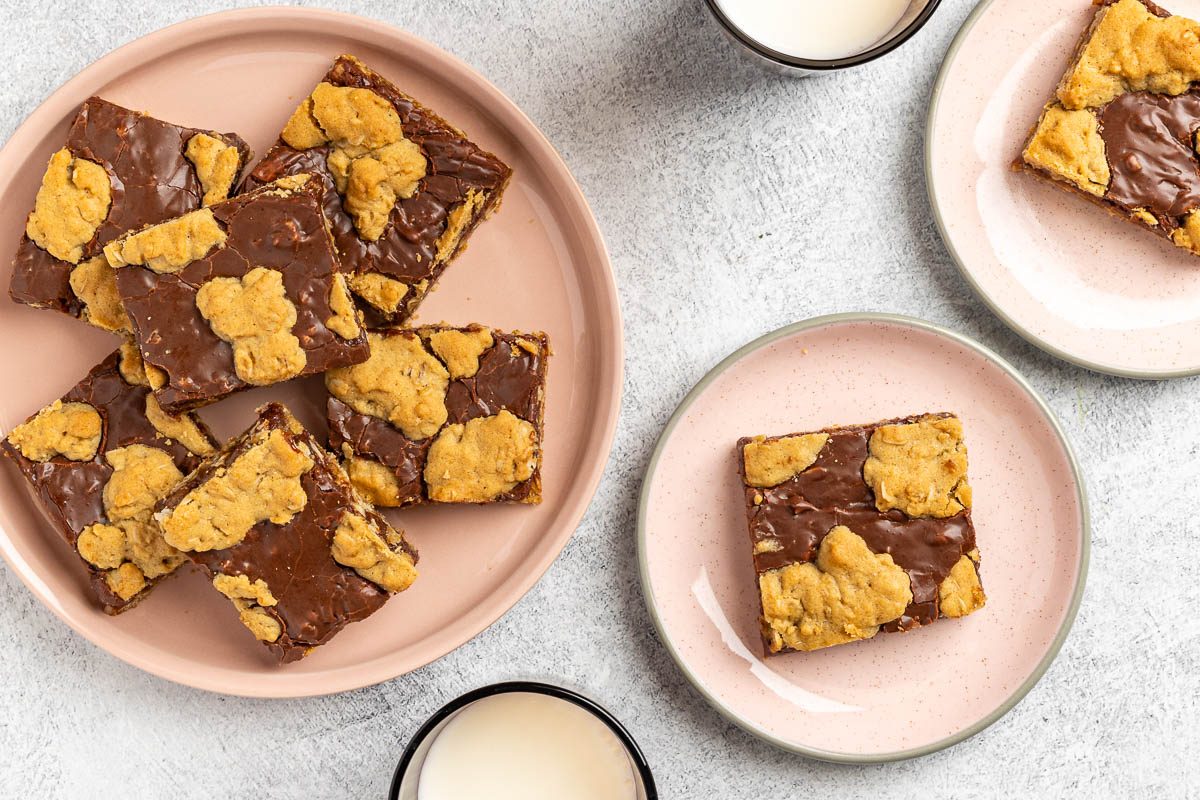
x=1079, y=283
x=537, y=264
x=897, y=695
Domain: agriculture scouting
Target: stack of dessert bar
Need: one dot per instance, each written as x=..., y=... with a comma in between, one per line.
x=313, y=264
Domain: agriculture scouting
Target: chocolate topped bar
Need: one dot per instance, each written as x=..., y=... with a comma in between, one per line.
x=275, y=524
x=1120, y=130
x=861, y=528
x=403, y=187
x=442, y=415
x=243, y=293
x=119, y=171
x=98, y=460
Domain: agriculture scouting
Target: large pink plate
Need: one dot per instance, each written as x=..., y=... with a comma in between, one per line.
x=1081, y=284
x=539, y=263
x=897, y=695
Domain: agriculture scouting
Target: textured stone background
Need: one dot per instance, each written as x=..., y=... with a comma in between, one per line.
x=736, y=202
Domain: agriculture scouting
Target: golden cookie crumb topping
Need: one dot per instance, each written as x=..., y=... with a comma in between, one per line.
x=919, y=467
x=1132, y=50
x=256, y=317
x=477, y=461
x=344, y=321
x=401, y=383
x=456, y=223
x=460, y=350
x=169, y=246
x=131, y=367
x=373, y=480
x=71, y=204
x=382, y=292
x=130, y=545
x=1068, y=145
x=72, y=430
x=251, y=600
x=126, y=580
x=844, y=596
x=371, y=161
x=961, y=593
x=94, y=282
x=1188, y=236
x=216, y=166
x=262, y=483
x=771, y=462
x=358, y=544
x=182, y=429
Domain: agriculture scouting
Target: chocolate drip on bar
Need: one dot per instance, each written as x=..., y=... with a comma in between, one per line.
x=1149, y=141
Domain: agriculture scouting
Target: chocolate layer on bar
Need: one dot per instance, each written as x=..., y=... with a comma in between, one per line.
x=896, y=487
x=98, y=460
x=118, y=171
x=442, y=414
x=243, y=293
x=275, y=524
x=1121, y=129
x=404, y=189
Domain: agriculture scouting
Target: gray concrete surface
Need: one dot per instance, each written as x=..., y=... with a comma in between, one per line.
x=733, y=201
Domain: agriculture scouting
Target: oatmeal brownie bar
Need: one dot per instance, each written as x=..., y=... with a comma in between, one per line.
x=403, y=187
x=243, y=293
x=443, y=415
x=857, y=529
x=274, y=523
x=118, y=171
x=98, y=460
x=1120, y=130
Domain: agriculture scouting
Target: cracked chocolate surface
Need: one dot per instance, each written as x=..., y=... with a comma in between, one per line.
x=151, y=180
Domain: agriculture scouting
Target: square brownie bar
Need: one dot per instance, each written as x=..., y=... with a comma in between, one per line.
x=119, y=171
x=243, y=293
x=98, y=460
x=275, y=524
x=404, y=189
x=443, y=415
x=862, y=528
x=1120, y=129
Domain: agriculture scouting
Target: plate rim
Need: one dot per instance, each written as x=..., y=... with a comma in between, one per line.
x=992, y=303
x=204, y=27
x=1060, y=637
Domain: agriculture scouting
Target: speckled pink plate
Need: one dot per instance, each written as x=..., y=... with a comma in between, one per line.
x=897, y=695
x=538, y=263
x=1081, y=284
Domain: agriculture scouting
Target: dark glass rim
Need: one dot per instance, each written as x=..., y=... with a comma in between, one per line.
x=532, y=687
x=824, y=64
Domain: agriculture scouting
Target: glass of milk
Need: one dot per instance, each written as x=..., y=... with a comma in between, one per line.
x=523, y=741
x=805, y=37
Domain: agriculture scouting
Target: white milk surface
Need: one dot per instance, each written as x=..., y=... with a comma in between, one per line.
x=525, y=746
x=815, y=28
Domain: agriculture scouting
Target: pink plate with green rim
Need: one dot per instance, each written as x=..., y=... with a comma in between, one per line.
x=1081, y=284
x=538, y=264
x=871, y=700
